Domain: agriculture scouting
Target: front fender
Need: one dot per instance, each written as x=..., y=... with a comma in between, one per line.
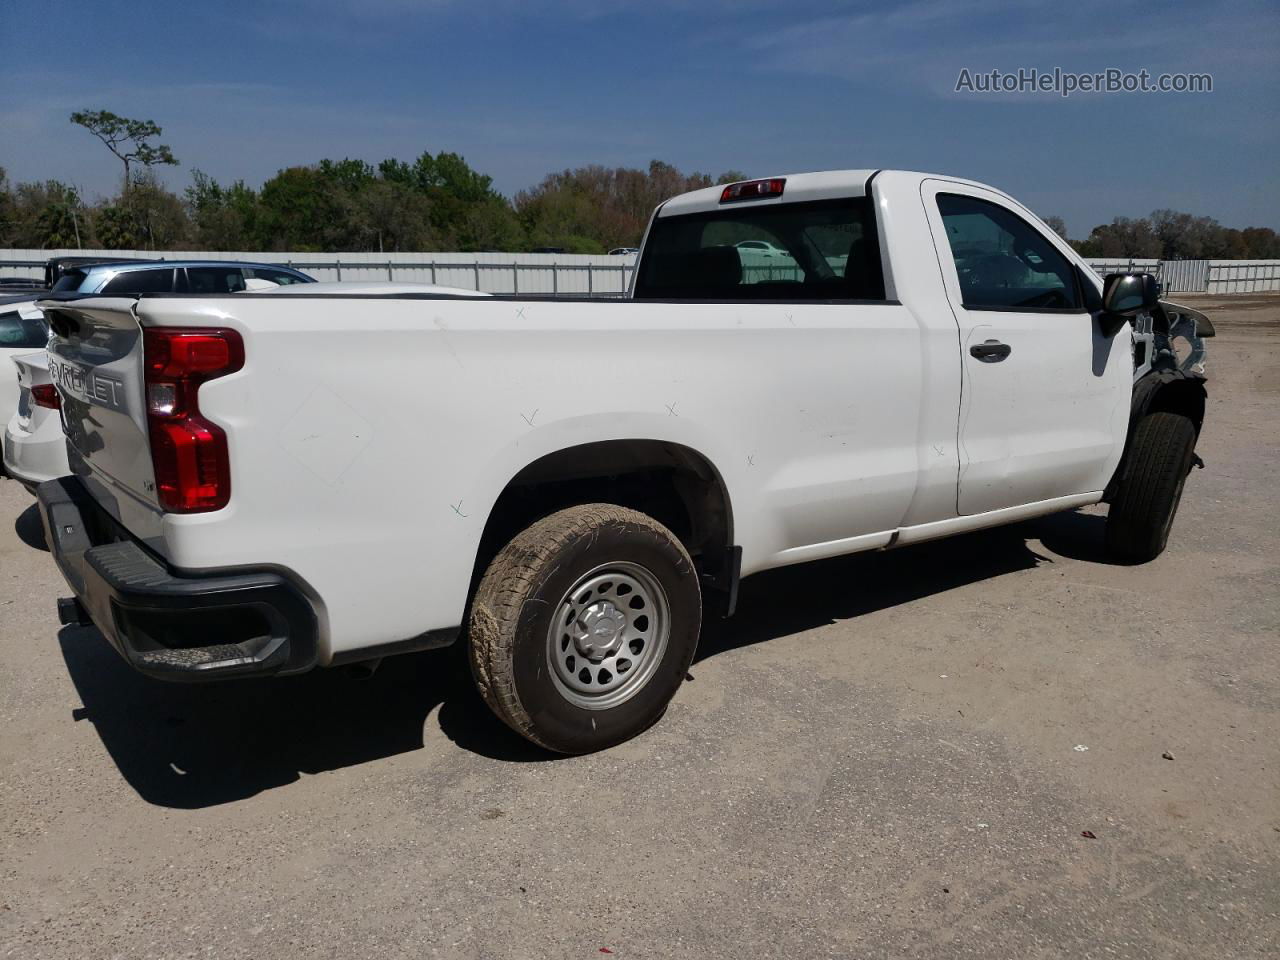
x=1171, y=391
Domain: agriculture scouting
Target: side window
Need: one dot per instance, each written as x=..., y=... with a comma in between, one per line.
x=281, y=277
x=818, y=250
x=214, y=279
x=17, y=331
x=70, y=280
x=1002, y=261
x=140, y=281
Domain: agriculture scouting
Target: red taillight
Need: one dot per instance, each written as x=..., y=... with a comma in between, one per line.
x=189, y=454
x=46, y=395
x=753, y=190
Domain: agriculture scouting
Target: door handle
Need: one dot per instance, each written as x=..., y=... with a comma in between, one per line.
x=992, y=351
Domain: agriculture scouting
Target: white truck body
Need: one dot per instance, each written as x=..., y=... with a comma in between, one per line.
x=371, y=437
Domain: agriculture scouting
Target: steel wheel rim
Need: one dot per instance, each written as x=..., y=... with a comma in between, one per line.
x=608, y=635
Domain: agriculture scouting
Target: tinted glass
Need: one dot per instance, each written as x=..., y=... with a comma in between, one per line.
x=17, y=331
x=70, y=280
x=796, y=251
x=214, y=279
x=282, y=277
x=1002, y=261
x=140, y=281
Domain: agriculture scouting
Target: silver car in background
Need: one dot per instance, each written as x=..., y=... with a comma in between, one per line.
x=173, y=276
x=34, y=449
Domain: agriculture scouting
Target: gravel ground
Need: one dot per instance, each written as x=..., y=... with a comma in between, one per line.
x=906, y=768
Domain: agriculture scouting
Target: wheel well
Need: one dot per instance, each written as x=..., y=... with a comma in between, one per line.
x=671, y=483
x=1163, y=392
x=1183, y=397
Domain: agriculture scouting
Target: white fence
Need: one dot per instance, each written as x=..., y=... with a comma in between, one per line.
x=525, y=274
x=1201, y=276
x=1243, y=276
x=576, y=275
x=1122, y=265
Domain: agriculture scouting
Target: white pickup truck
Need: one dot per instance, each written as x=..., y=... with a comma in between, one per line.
x=267, y=483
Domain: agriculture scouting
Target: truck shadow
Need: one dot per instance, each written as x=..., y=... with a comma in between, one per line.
x=1076, y=536
x=192, y=746
x=843, y=588
x=199, y=745
x=30, y=530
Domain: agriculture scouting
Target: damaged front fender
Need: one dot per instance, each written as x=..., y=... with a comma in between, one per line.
x=1167, y=390
x=1178, y=333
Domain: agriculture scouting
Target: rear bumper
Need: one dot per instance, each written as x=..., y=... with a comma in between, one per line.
x=31, y=458
x=174, y=626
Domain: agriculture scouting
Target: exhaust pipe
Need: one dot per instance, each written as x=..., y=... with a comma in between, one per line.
x=71, y=612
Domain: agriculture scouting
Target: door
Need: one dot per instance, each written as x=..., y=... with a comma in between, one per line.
x=1044, y=393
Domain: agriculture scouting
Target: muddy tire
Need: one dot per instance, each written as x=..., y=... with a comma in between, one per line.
x=1144, y=507
x=584, y=626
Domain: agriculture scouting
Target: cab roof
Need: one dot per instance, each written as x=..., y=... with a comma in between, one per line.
x=799, y=188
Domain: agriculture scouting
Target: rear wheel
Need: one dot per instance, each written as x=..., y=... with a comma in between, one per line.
x=584, y=626
x=1143, y=510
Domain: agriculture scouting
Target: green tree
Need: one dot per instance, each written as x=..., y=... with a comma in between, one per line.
x=302, y=209
x=129, y=140
x=8, y=212
x=595, y=208
x=1261, y=243
x=47, y=214
x=1057, y=225
x=489, y=225
x=464, y=211
x=1122, y=237
x=148, y=217
x=395, y=217
x=1184, y=236
x=347, y=174
x=222, y=218
x=115, y=228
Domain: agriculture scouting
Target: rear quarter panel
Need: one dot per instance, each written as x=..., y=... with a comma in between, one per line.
x=370, y=438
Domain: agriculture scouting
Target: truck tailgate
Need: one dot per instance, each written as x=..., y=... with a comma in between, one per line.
x=95, y=361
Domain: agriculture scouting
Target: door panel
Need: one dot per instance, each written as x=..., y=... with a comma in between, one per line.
x=1044, y=396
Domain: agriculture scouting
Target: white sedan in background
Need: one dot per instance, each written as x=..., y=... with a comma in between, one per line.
x=35, y=449
x=22, y=329
x=763, y=248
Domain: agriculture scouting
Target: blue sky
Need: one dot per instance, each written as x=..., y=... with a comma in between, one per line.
x=522, y=88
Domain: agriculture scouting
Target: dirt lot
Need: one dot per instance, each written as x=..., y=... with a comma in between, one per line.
x=892, y=755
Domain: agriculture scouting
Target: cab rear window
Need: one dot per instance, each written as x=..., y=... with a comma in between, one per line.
x=822, y=250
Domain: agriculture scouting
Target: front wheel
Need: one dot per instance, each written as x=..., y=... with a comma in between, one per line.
x=584, y=626
x=1150, y=490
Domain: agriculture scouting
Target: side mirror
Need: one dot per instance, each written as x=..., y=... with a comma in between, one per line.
x=1129, y=294
x=1124, y=296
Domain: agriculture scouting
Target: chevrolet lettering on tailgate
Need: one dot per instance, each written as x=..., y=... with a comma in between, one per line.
x=91, y=386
